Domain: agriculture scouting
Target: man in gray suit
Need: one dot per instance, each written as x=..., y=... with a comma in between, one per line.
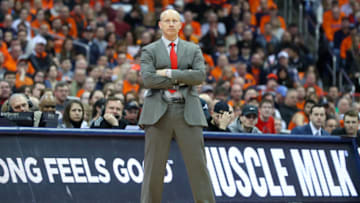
x=170, y=69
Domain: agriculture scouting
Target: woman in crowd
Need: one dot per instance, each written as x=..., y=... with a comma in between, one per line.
x=74, y=115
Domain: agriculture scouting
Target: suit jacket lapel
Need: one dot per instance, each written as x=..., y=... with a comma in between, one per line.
x=163, y=51
x=180, y=53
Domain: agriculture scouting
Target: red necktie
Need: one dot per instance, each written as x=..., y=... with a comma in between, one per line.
x=173, y=60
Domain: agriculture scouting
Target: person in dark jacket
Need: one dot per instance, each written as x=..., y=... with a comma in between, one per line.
x=220, y=118
x=351, y=125
x=111, y=115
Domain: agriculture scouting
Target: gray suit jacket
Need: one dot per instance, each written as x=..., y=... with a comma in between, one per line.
x=191, y=71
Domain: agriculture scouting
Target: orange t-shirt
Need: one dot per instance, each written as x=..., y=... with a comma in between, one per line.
x=331, y=25
x=345, y=46
x=293, y=125
x=26, y=81
x=128, y=87
x=196, y=28
x=255, y=5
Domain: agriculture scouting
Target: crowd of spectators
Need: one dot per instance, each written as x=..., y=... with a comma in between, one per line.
x=81, y=61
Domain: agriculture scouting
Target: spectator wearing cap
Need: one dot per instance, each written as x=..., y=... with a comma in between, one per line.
x=266, y=123
x=21, y=77
x=39, y=59
x=245, y=53
x=246, y=122
x=283, y=63
x=220, y=118
x=87, y=38
x=209, y=90
x=131, y=113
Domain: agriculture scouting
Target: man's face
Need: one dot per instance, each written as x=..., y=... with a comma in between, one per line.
x=131, y=115
x=5, y=90
x=330, y=125
x=39, y=48
x=170, y=24
x=19, y=104
x=291, y=98
x=249, y=121
x=114, y=107
x=48, y=105
x=351, y=124
x=266, y=110
x=333, y=93
x=10, y=78
x=307, y=108
x=318, y=116
x=236, y=92
x=61, y=93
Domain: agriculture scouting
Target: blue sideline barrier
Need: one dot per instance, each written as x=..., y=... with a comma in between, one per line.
x=66, y=165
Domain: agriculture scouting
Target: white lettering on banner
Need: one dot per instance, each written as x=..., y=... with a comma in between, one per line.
x=226, y=181
x=251, y=157
x=346, y=183
x=122, y=175
x=306, y=173
x=133, y=163
x=320, y=173
x=23, y=170
x=277, y=154
x=34, y=175
x=78, y=171
x=64, y=169
x=90, y=178
x=274, y=190
x=50, y=171
x=104, y=176
x=6, y=175
x=335, y=191
x=213, y=176
x=16, y=170
x=235, y=158
x=169, y=174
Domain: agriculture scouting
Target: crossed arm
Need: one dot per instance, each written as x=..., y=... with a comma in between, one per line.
x=166, y=78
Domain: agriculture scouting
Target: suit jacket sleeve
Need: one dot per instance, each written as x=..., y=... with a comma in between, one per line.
x=295, y=131
x=148, y=71
x=195, y=75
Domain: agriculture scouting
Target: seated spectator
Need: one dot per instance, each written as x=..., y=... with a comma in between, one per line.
x=40, y=60
x=47, y=103
x=315, y=126
x=220, y=118
x=301, y=118
x=351, y=125
x=288, y=108
x=332, y=21
x=331, y=124
x=21, y=77
x=61, y=93
x=266, y=123
x=111, y=115
x=131, y=113
x=246, y=122
x=74, y=115
x=18, y=103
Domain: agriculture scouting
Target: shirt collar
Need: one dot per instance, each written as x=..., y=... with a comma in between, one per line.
x=167, y=42
x=314, y=130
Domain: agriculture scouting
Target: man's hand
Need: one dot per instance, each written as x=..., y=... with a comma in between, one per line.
x=224, y=120
x=110, y=118
x=162, y=72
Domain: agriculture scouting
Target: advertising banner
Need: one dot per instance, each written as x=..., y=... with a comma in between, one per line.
x=53, y=165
